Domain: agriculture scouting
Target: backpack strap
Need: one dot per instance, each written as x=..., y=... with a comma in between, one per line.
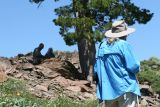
x=100, y=44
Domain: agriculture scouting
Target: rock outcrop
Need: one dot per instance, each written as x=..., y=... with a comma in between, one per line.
x=51, y=78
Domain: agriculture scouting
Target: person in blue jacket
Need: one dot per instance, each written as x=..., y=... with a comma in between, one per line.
x=116, y=67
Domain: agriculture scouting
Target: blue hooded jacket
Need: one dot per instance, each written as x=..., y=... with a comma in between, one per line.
x=116, y=68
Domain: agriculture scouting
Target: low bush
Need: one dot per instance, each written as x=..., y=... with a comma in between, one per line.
x=150, y=72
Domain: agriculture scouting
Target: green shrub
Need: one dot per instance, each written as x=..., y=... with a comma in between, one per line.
x=150, y=72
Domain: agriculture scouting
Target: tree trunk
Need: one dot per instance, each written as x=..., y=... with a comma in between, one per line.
x=92, y=51
x=87, y=58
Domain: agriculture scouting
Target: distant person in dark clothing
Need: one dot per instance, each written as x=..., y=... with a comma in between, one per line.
x=49, y=53
x=37, y=56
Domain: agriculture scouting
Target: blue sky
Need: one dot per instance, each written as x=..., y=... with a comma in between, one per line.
x=23, y=26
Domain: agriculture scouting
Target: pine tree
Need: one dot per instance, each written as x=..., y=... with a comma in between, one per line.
x=83, y=22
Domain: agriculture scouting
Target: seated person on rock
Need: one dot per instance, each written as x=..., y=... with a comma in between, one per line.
x=49, y=53
x=37, y=56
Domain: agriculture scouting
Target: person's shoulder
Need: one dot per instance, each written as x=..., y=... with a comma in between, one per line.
x=35, y=49
x=122, y=42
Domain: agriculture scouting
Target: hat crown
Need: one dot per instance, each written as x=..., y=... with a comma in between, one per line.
x=116, y=23
x=119, y=26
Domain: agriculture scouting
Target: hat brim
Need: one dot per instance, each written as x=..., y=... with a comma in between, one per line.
x=120, y=34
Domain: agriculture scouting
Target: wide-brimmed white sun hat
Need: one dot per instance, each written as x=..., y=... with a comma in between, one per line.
x=119, y=29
